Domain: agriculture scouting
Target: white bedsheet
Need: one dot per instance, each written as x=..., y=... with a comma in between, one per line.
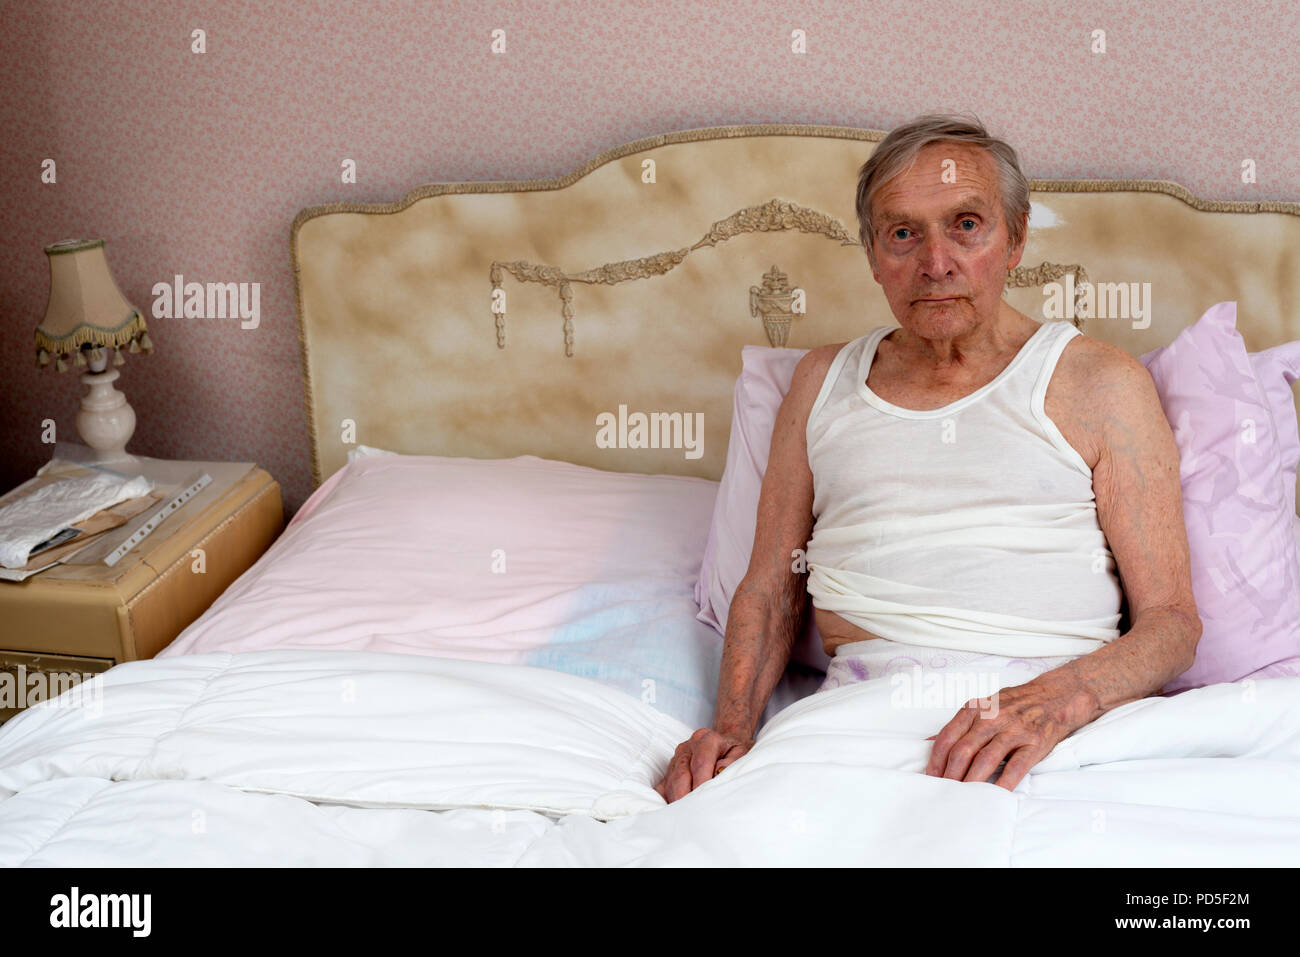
x=367, y=758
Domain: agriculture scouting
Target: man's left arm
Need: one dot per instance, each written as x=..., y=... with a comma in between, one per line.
x=1139, y=508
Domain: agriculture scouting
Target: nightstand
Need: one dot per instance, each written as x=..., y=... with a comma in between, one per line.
x=88, y=617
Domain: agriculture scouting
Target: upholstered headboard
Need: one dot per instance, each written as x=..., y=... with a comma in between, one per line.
x=500, y=319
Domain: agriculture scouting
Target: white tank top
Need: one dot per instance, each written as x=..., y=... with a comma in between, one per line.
x=971, y=527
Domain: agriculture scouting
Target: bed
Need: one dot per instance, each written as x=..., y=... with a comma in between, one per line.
x=480, y=640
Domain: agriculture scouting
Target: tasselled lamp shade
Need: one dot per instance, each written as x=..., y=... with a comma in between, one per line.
x=86, y=306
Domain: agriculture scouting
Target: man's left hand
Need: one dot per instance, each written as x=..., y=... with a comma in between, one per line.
x=1029, y=720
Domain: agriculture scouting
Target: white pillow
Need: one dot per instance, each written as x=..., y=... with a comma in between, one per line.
x=760, y=389
x=364, y=451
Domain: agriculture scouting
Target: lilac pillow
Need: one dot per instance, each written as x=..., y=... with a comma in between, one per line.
x=1245, y=567
x=1290, y=666
x=1276, y=369
x=764, y=380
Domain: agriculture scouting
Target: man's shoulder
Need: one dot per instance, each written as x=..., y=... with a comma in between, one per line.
x=810, y=371
x=1099, y=385
x=819, y=358
x=1099, y=370
x=806, y=382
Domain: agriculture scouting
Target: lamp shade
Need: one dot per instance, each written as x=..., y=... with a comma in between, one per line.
x=86, y=307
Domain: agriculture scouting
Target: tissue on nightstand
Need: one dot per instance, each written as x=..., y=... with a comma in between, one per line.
x=46, y=511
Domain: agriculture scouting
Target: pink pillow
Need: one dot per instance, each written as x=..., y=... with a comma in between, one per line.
x=764, y=380
x=1276, y=369
x=522, y=560
x=489, y=559
x=1245, y=567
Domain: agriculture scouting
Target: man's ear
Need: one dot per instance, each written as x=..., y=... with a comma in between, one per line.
x=872, y=260
x=1016, y=252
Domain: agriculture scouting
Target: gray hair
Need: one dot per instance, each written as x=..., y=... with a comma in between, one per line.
x=898, y=151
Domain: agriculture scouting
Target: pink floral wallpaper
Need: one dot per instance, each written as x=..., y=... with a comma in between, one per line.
x=195, y=163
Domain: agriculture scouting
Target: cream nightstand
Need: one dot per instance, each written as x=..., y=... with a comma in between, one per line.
x=89, y=617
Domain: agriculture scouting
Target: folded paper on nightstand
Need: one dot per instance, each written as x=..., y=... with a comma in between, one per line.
x=43, y=511
x=106, y=536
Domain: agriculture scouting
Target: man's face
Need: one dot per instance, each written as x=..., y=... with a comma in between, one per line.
x=941, y=248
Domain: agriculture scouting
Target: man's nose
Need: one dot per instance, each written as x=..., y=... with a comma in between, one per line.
x=934, y=257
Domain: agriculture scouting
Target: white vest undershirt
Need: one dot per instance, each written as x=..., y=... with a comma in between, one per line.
x=971, y=527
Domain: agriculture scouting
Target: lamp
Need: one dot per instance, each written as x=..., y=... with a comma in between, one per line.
x=86, y=314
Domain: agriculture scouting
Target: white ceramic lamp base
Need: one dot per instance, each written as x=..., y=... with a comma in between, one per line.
x=106, y=421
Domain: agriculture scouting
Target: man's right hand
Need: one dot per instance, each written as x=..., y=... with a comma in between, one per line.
x=699, y=758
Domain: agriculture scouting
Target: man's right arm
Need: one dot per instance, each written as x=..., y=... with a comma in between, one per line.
x=767, y=608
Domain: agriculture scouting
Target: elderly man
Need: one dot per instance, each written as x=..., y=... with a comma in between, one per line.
x=974, y=481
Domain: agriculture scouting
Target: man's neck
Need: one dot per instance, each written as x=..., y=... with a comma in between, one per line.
x=987, y=342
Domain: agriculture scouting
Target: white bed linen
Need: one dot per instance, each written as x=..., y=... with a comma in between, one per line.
x=308, y=757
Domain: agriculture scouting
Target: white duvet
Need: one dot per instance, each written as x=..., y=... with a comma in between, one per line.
x=367, y=758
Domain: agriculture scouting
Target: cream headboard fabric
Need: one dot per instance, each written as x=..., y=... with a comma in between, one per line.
x=636, y=280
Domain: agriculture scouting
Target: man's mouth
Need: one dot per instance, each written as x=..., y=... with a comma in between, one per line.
x=942, y=299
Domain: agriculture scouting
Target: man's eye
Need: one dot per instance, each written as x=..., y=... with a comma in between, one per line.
x=900, y=229
x=973, y=223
